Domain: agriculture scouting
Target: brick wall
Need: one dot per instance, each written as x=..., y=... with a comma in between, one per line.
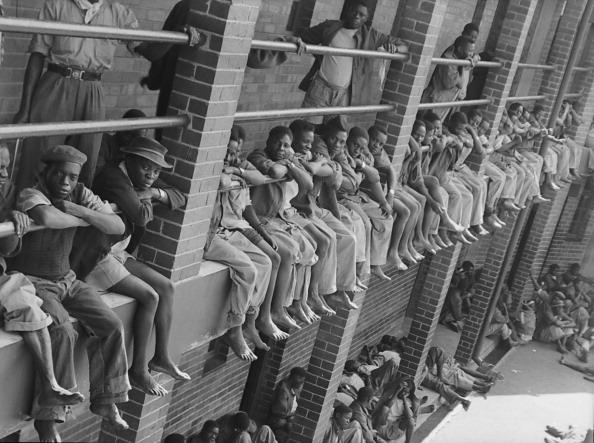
x=122, y=90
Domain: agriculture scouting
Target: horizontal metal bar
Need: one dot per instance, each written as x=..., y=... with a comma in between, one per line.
x=325, y=50
x=88, y=127
x=526, y=98
x=536, y=66
x=458, y=62
x=581, y=69
x=267, y=182
x=461, y=104
x=573, y=95
x=29, y=26
x=309, y=112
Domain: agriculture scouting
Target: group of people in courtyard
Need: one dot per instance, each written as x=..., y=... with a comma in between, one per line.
x=302, y=223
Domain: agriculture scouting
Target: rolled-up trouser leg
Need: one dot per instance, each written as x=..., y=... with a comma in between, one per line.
x=454, y=201
x=355, y=224
x=325, y=239
x=467, y=201
x=380, y=233
x=108, y=365
x=478, y=187
x=242, y=273
x=356, y=208
x=346, y=243
x=497, y=183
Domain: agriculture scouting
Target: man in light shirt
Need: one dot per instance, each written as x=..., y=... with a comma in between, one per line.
x=344, y=81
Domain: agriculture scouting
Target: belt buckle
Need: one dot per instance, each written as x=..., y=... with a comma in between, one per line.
x=75, y=74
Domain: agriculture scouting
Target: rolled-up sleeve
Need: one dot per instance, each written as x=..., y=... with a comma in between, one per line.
x=43, y=43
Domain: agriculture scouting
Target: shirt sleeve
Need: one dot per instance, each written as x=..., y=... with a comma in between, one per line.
x=90, y=200
x=126, y=20
x=176, y=198
x=259, y=159
x=43, y=43
x=29, y=198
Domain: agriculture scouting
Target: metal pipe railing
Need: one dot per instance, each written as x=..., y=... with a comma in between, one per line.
x=326, y=50
x=580, y=69
x=88, y=127
x=7, y=228
x=461, y=104
x=525, y=98
x=309, y=112
x=536, y=66
x=459, y=62
x=572, y=95
x=29, y=26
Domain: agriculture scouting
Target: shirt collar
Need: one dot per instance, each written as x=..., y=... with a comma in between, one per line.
x=90, y=9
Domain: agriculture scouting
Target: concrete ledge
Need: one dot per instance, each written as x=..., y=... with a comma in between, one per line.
x=199, y=316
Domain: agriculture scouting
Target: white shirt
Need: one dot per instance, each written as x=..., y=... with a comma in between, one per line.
x=338, y=70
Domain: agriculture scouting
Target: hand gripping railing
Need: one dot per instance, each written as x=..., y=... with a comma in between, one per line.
x=87, y=127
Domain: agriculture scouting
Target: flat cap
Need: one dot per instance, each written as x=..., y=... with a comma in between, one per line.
x=149, y=149
x=63, y=153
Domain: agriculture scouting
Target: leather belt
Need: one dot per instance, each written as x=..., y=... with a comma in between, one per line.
x=74, y=73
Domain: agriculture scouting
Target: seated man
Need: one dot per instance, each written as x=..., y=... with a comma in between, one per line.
x=59, y=203
x=284, y=403
x=458, y=298
x=134, y=187
x=341, y=429
x=501, y=324
x=20, y=308
x=361, y=408
x=396, y=412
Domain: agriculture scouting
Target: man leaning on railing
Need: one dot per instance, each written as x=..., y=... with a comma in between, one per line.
x=70, y=89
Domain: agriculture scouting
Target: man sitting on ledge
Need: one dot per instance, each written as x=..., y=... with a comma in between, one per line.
x=284, y=403
x=61, y=204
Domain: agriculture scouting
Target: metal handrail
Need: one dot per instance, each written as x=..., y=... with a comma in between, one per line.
x=572, y=95
x=88, y=127
x=460, y=62
x=326, y=50
x=525, y=98
x=29, y=26
x=536, y=66
x=461, y=103
x=309, y=112
x=581, y=69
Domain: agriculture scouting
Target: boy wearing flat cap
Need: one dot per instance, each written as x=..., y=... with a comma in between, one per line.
x=134, y=187
x=60, y=203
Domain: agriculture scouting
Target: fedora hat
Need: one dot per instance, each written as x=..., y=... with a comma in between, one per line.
x=148, y=148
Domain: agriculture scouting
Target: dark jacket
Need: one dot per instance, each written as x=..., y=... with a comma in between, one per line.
x=363, y=67
x=113, y=185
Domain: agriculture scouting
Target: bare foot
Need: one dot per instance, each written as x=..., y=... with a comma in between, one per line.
x=417, y=255
x=562, y=359
x=340, y=300
x=311, y=315
x=465, y=403
x=360, y=284
x=407, y=258
x=540, y=199
x=46, y=430
x=395, y=259
x=252, y=333
x=284, y=321
x=269, y=329
x=319, y=306
x=166, y=366
x=58, y=396
x=379, y=273
x=296, y=311
x=234, y=339
x=111, y=414
x=143, y=381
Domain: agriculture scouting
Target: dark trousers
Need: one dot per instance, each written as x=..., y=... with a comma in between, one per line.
x=108, y=366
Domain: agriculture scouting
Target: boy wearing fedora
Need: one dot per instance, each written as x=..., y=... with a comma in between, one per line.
x=61, y=204
x=106, y=262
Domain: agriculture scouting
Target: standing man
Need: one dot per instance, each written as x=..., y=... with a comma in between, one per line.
x=344, y=81
x=70, y=89
x=61, y=204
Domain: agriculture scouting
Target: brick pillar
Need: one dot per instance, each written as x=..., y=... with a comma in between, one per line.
x=430, y=299
x=419, y=25
x=206, y=87
x=538, y=237
x=584, y=83
x=330, y=352
x=512, y=35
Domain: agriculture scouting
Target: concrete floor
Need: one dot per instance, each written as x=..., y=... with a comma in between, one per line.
x=537, y=391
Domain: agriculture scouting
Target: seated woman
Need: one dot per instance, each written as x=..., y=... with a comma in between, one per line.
x=417, y=165
x=405, y=209
x=447, y=369
x=376, y=216
x=107, y=264
x=553, y=324
x=238, y=241
x=340, y=273
x=396, y=411
x=568, y=116
x=501, y=324
x=439, y=161
x=549, y=148
x=501, y=183
x=283, y=223
x=208, y=434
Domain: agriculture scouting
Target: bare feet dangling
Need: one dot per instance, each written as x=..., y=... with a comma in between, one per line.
x=250, y=331
x=144, y=382
x=359, y=285
x=339, y=300
x=269, y=329
x=319, y=306
x=296, y=311
x=111, y=414
x=379, y=273
x=166, y=366
x=284, y=320
x=311, y=315
x=234, y=339
x=58, y=396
